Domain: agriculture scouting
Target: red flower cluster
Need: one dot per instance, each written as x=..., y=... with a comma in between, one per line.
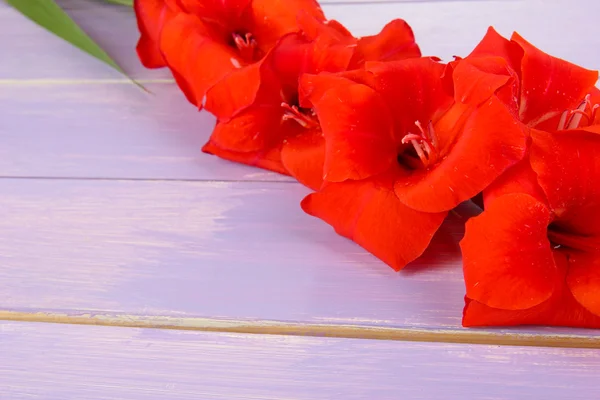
x=391, y=141
x=533, y=255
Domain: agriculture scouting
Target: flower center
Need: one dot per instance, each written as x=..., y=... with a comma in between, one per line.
x=423, y=148
x=246, y=45
x=560, y=237
x=304, y=116
x=582, y=116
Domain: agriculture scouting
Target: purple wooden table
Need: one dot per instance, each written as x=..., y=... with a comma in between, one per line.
x=208, y=280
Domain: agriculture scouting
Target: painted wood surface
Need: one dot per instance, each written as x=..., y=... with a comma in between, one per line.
x=58, y=362
x=241, y=251
x=110, y=214
x=206, y=249
x=214, y=249
x=109, y=131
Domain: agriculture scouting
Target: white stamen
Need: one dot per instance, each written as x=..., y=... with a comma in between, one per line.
x=235, y=63
x=563, y=121
x=419, y=150
x=576, y=118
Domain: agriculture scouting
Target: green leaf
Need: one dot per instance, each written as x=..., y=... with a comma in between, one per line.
x=49, y=15
x=121, y=2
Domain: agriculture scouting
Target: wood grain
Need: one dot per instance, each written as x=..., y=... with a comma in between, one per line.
x=109, y=131
x=240, y=251
x=57, y=362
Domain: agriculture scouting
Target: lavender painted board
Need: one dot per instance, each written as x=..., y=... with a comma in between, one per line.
x=239, y=251
x=443, y=28
x=205, y=249
x=58, y=362
x=109, y=131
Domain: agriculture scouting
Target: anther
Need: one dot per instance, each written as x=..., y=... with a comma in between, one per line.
x=293, y=113
x=245, y=44
x=573, y=119
x=425, y=143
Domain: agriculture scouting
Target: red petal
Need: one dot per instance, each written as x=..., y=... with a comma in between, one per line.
x=357, y=130
x=341, y=29
x=303, y=156
x=151, y=16
x=219, y=11
x=493, y=44
x=396, y=41
x=197, y=54
x=235, y=92
x=490, y=142
x=272, y=19
x=475, y=80
x=583, y=279
x=289, y=59
x=520, y=178
x=369, y=213
x=268, y=159
x=314, y=27
x=312, y=87
x=413, y=90
x=549, y=85
x=255, y=129
x=568, y=167
x=559, y=310
x=294, y=56
x=330, y=57
x=507, y=258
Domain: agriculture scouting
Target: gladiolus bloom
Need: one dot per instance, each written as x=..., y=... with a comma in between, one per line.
x=202, y=41
x=398, y=137
x=277, y=115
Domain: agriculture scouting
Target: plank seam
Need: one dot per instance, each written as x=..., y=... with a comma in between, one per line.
x=60, y=82
x=269, y=327
x=190, y=180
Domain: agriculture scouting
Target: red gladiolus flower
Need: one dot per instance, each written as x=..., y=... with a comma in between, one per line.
x=533, y=255
x=545, y=92
x=202, y=41
x=399, y=155
x=259, y=115
x=261, y=111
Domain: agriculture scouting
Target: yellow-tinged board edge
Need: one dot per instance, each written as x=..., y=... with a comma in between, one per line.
x=268, y=327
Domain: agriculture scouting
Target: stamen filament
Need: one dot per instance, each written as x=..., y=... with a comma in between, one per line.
x=563, y=121
x=577, y=114
x=432, y=134
x=425, y=143
x=573, y=119
x=245, y=44
x=293, y=113
x=420, y=152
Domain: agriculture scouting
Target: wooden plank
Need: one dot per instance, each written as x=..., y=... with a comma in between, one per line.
x=206, y=249
x=195, y=252
x=443, y=28
x=448, y=28
x=57, y=362
x=38, y=54
x=108, y=131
